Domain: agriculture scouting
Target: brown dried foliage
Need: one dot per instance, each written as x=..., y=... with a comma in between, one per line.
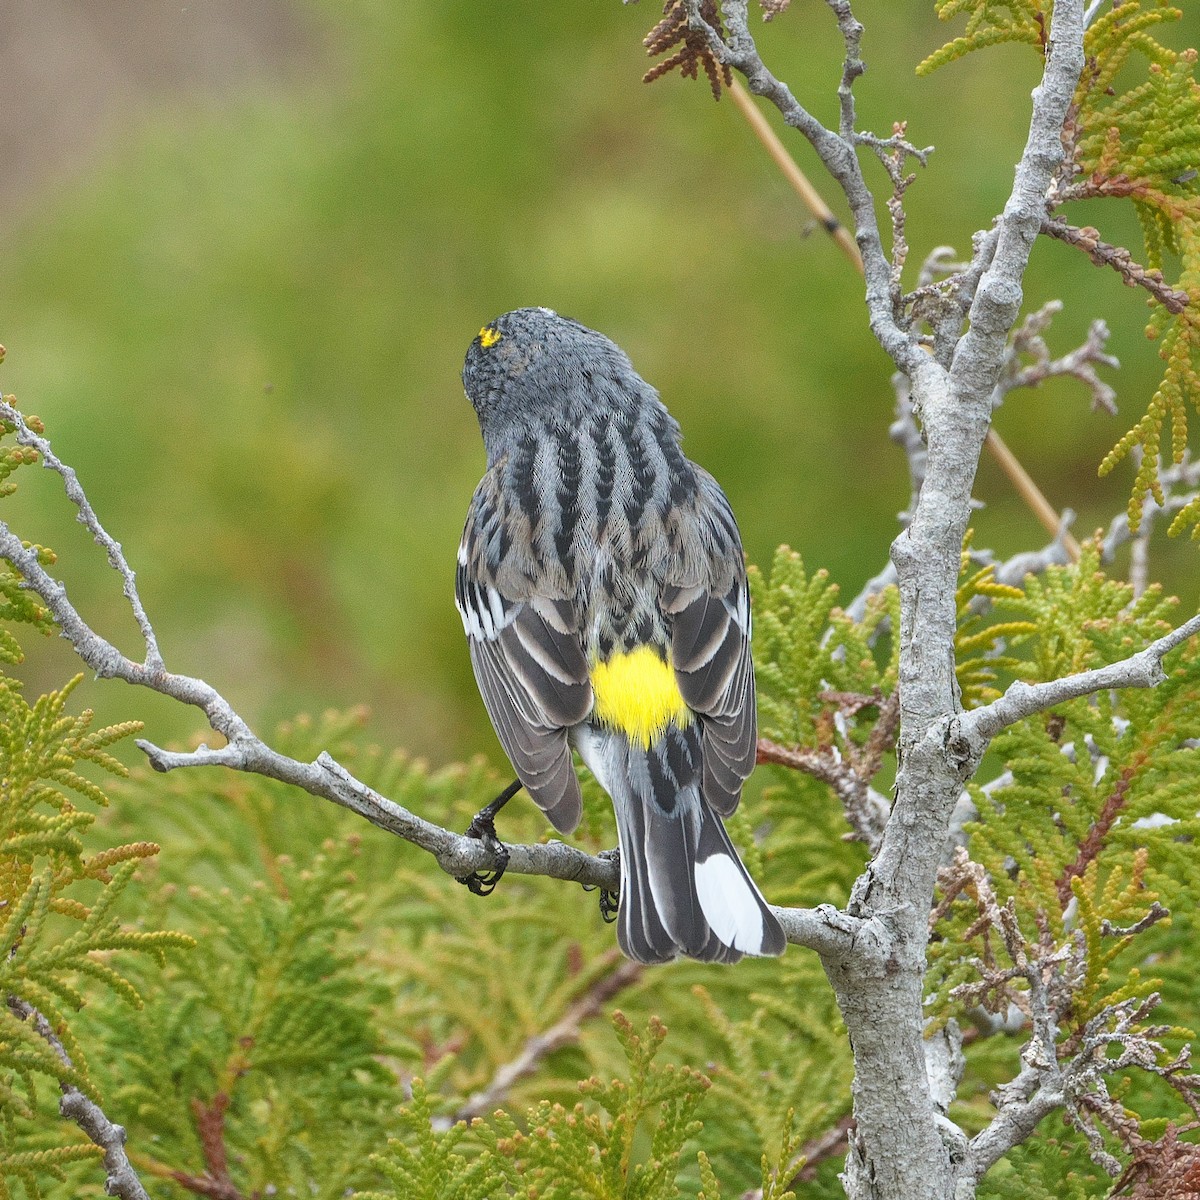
x=691, y=47
x=1166, y=1169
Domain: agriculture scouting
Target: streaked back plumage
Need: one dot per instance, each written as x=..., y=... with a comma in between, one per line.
x=590, y=538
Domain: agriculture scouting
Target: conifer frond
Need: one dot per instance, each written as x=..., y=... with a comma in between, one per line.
x=269, y=1028
x=61, y=940
x=793, y=1100
x=989, y=23
x=1143, y=142
x=624, y=1141
x=423, y=1164
x=982, y=643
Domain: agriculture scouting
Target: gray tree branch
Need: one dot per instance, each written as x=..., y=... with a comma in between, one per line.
x=822, y=929
x=122, y=1179
x=1021, y=700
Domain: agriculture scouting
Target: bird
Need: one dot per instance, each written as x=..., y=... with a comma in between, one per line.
x=602, y=588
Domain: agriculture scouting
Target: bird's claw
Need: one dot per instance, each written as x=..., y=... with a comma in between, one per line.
x=483, y=883
x=610, y=902
x=483, y=827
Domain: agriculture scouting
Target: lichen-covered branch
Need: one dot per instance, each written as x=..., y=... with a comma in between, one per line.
x=821, y=929
x=1022, y=700
x=836, y=151
x=122, y=1179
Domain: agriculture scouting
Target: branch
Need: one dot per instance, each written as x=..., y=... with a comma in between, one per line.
x=1104, y=254
x=1080, y=363
x=564, y=1032
x=836, y=151
x=800, y=183
x=847, y=769
x=87, y=1114
x=1143, y=669
x=822, y=929
x=216, y=1182
x=1012, y=571
x=902, y=1146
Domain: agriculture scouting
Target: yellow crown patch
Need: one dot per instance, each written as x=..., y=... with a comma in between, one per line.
x=489, y=335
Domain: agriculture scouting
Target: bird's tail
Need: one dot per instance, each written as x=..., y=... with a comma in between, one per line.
x=684, y=890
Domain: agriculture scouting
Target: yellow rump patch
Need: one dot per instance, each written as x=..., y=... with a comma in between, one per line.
x=636, y=693
x=488, y=337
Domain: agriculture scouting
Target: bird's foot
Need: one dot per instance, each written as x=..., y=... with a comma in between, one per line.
x=483, y=827
x=610, y=902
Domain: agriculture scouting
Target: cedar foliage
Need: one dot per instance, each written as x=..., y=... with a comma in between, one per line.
x=62, y=942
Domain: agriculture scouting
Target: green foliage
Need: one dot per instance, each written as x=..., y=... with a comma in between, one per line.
x=1045, y=1167
x=1144, y=143
x=61, y=939
x=622, y=1142
x=423, y=1162
x=261, y=1048
x=326, y=983
x=789, y=1105
x=982, y=644
x=989, y=23
x=804, y=645
x=469, y=983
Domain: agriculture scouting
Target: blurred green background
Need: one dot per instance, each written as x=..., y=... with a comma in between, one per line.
x=248, y=244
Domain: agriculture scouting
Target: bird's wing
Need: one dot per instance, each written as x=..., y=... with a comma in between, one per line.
x=707, y=603
x=529, y=661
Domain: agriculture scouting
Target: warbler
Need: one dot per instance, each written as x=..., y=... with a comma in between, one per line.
x=603, y=591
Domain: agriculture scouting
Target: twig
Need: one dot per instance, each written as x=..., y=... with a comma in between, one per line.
x=1080, y=363
x=216, y=1183
x=1012, y=571
x=821, y=929
x=1021, y=700
x=1020, y=479
x=1030, y=492
x=836, y=152
x=799, y=182
x=1093, y=843
x=564, y=1032
x=88, y=519
x=122, y=1179
x=848, y=770
x=1104, y=254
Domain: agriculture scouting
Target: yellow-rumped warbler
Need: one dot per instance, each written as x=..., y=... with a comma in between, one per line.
x=603, y=590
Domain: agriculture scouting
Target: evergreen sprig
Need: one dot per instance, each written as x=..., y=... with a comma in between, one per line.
x=989, y=23
x=60, y=929
x=259, y=1057
x=59, y=924
x=623, y=1141
x=983, y=644
x=795, y=1098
